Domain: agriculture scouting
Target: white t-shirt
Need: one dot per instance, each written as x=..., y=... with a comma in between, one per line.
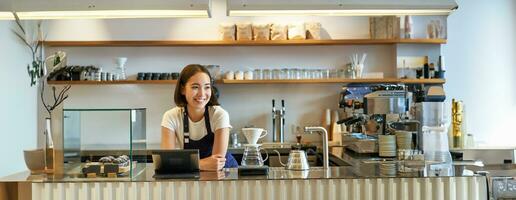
x=173, y=120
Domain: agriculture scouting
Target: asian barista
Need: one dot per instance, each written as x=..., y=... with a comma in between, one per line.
x=198, y=122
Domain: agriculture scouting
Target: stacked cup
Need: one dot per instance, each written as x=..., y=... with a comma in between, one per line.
x=404, y=139
x=387, y=145
x=387, y=169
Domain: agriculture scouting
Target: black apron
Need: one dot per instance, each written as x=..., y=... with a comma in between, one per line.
x=205, y=144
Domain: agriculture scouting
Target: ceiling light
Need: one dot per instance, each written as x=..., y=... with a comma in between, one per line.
x=112, y=14
x=247, y=13
x=6, y=16
x=339, y=7
x=110, y=9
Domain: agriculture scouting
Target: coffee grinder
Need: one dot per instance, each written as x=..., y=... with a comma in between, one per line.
x=429, y=108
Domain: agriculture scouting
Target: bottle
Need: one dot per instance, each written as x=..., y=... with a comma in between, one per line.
x=426, y=71
x=441, y=67
x=408, y=27
x=431, y=71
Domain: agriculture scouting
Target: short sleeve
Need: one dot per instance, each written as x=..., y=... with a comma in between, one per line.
x=169, y=121
x=220, y=119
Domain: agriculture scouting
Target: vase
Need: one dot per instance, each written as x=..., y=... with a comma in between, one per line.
x=49, y=146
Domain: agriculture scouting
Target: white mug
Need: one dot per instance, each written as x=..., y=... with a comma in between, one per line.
x=253, y=134
x=230, y=75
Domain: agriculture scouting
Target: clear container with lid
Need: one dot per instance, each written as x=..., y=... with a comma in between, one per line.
x=257, y=74
x=284, y=74
x=436, y=151
x=266, y=74
x=276, y=73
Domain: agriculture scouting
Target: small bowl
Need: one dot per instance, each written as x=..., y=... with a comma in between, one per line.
x=34, y=159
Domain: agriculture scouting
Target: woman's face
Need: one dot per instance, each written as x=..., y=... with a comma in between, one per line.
x=197, y=90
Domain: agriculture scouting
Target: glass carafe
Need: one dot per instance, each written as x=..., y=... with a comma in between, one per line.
x=253, y=156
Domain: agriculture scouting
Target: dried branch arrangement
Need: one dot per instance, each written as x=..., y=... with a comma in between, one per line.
x=36, y=69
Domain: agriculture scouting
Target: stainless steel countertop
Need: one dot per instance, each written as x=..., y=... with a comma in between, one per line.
x=144, y=172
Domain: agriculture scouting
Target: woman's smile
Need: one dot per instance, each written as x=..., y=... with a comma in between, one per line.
x=198, y=90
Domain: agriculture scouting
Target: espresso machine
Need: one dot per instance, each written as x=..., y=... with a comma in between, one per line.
x=369, y=107
x=373, y=103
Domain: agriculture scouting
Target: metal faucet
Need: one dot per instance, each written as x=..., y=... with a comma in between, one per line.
x=278, y=122
x=324, y=134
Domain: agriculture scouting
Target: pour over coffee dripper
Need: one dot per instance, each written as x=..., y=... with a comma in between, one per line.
x=253, y=134
x=120, y=61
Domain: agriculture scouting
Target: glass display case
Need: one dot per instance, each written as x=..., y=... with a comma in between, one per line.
x=104, y=142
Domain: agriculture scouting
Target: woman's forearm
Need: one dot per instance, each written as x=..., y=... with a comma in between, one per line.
x=220, y=144
x=168, y=138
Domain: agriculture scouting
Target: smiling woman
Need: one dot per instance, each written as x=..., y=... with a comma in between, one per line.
x=198, y=122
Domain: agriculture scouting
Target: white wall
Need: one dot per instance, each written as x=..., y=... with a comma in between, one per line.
x=481, y=68
x=18, y=100
x=479, y=54
x=246, y=104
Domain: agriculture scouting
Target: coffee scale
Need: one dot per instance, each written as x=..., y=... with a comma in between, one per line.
x=252, y=161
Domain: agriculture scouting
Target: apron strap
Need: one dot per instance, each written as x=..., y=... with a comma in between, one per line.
x=186, y=128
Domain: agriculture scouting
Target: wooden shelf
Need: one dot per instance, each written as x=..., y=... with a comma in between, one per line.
x=122, y=43
x=343, y=81
x=424, y=81
x=112, y=82
x=305, y=81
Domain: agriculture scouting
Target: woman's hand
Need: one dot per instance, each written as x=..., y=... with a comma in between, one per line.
x=210, y=176
x=212, y=163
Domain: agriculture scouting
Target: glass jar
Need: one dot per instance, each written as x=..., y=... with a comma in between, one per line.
x=276, y=74
x=266, y=74
x=248, y=75
x=334, y=73
x=315, y=74
x=342, y=73
x=305, y=74
x=293, y=73
x=257, y=74
x=284, y=74
x=325, y=73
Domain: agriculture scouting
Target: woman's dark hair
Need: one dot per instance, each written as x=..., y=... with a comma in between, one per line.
x=187, y=72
